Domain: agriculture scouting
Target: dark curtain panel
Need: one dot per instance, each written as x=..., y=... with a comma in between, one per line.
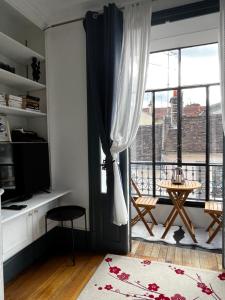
x=103, y=45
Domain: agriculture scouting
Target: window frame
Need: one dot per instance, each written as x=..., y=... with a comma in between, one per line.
x=179, y=162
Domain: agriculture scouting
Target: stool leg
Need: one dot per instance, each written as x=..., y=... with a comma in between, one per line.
x=46, y=237
x=85, y=219
x=73, y=243
x=46, y=229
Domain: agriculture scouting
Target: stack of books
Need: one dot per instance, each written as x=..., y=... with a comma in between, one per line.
x=14, y=101
x=31, y=103
x=2, y=100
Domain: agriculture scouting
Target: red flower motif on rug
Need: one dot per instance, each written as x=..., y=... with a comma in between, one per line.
x=123, y=276
x=207, y=291
x=146, y=262
x=222, y=276
x=179, y=271
x=114, y=270
x=201, y=285
x=138, y=290
x=178, y=297
x=162, y=297
x=108, y=287
x=153, y=287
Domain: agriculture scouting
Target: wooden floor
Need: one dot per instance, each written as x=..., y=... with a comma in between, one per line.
x=57, y=279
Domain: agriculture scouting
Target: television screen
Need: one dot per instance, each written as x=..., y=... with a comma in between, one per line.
x=31, y=168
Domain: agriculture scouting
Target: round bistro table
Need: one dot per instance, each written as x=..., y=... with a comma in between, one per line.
x=178, y=194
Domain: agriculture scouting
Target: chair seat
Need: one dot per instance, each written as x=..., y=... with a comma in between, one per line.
x=147, y=201
x=214, y=207
x=65, y=213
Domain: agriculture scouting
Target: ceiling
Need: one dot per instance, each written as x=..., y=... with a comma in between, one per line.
x=44, y=13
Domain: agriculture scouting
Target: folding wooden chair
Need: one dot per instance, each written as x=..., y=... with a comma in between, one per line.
x=215, y=210
x=143, y=206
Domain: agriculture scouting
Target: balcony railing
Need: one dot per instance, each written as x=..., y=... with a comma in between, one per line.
x=142, y=174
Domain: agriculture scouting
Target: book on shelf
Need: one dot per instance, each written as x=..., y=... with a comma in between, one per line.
x=13, y=97
x=33, y=109
x=34, y=98
x=14, y=101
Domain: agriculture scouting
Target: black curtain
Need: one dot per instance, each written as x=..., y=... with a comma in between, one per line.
x=103, y=46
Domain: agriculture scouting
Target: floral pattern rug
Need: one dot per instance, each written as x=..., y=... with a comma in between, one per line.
x=120, y=277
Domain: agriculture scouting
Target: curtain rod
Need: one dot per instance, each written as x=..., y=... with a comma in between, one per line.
x=170, y=14
x=81, y=19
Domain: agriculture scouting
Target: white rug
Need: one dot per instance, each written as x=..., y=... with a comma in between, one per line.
x=140, y=231
x=120, y=277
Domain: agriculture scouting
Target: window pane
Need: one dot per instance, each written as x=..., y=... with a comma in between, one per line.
x=216, y=129
x=216, y=143
x=103, y=173
x=163, y=70
x=166, y=126
x=194, y=125
x=141, y=149
x=200, y=65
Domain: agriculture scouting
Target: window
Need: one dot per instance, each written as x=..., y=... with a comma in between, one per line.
x=181, y=122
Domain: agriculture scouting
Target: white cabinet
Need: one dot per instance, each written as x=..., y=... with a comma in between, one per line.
x=16, y=234
x=25, y=229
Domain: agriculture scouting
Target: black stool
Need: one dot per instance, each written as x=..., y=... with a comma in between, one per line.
x=67, y=213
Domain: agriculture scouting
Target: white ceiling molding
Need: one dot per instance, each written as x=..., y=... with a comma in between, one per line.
x=45, y=13
x=31, y=11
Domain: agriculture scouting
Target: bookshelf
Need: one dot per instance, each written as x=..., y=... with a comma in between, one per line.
x=19, y=82
x=19, y=55
x=6, y=110
x=17, y=51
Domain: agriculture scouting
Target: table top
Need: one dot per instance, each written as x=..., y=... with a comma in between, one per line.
x=188, y=185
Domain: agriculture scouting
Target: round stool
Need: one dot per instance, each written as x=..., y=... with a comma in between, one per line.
x=67, y=213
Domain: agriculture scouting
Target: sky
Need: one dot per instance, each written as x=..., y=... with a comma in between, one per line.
x=199, y=65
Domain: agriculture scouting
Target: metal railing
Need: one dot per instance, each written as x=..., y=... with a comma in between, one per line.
x=142, y=174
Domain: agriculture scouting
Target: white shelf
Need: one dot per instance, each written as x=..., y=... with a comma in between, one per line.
x=6, y=110
x=17, y=51
x=36, y=201
x=19, y=82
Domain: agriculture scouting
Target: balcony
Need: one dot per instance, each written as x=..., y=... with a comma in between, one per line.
x=212, y=188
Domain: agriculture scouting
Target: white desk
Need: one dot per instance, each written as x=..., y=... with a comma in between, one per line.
x=23, y=227
x=36, y=201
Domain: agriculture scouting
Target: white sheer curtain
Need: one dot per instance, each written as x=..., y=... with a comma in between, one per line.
x=129, y=92
x=222, y=77
x=222, y=57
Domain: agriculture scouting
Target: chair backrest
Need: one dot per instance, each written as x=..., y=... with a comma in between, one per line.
x=136, y=188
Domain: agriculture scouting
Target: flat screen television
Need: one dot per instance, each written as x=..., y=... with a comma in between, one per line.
x=31, y=171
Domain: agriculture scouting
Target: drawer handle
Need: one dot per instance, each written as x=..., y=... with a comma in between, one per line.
x=30, y=214
x=36, y=211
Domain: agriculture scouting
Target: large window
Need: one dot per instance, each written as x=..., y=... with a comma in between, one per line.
x=181, y=122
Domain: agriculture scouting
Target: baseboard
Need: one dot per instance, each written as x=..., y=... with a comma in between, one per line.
x=56, y=240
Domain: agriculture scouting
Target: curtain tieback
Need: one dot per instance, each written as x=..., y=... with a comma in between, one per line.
x=107, y=163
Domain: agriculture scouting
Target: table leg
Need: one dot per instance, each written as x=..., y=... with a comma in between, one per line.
x=178, y=199
x=170, y=216
x=173, y=214
x=187, y=222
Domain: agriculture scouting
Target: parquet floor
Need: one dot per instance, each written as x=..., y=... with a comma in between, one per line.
x=56, y=279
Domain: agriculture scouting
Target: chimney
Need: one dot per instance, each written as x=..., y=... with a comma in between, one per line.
x=173, y=114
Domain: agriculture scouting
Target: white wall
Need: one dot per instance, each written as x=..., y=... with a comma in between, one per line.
x=67, y=110
x=189, y=32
